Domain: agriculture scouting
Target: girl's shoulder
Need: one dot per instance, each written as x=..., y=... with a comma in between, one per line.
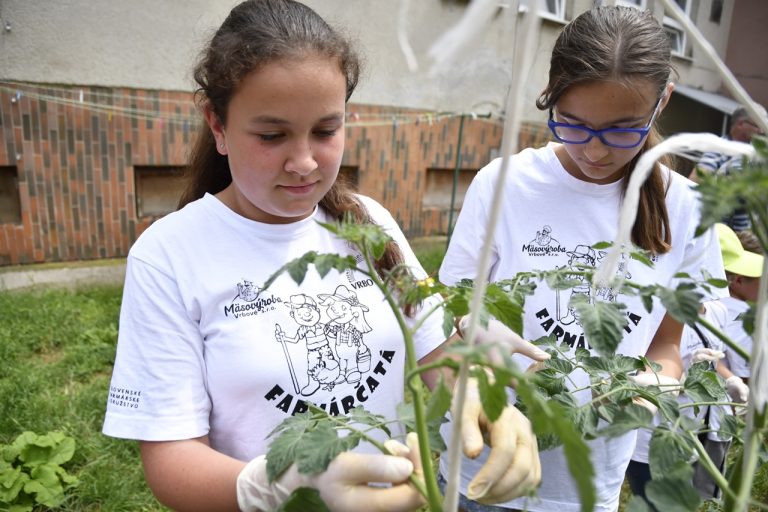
x=528, y=163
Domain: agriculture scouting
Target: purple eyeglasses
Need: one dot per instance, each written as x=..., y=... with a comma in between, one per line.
x=615, y=137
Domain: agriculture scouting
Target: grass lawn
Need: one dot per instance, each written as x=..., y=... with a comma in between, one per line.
x=57, y=348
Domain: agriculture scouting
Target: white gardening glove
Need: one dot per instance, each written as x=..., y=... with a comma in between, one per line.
x=498, y=333
x=737, y=390
x=343, y=486
x=665, y=383
x=513, y=466
x=706, y=354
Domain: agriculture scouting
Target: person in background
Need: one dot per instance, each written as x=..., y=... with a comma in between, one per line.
x=208, y=363
x=609, y=80
x=743, y=270
x=741, y=128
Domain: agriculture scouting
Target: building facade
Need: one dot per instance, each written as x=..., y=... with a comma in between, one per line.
x=97, y=113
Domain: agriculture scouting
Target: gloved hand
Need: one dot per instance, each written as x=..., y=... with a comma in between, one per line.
x=706, y=354
x=513, y=466
x=498, y=333
x=665, y=383
x=737, y=390
x=343, y=486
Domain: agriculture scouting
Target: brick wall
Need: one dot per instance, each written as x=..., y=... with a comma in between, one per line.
x=75, y=149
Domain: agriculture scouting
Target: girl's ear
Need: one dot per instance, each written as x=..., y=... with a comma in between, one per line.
x=217, y=128
x=667, y=95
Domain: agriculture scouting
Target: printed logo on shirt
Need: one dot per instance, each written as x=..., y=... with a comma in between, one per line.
x=249, y=301
x=562, y=319
x=353, y=281
x=336, y=353
x=123, y=397
x=543, y=244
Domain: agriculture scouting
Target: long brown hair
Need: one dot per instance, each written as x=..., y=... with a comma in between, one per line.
x=619, y=44
x=255, y=33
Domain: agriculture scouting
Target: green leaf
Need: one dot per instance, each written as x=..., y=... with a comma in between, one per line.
x=562, y=366
x=302, y=500
x=282, y=450
x=550, y=417
x=12, y=481
x=505, y=308
x=603, y=323
x=625, y=419
x=45, y=485
x=439, y=401
x=318, y=447
x=493, y=396
x=672, y=495
x=408, y=418
x=702, y=384
x=358, y=415
x=666, y=450
x=637, y=504
x=615, y=364
x=642, y=257
x=682, y=303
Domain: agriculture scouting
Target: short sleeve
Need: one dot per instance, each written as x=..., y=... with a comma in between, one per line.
x=158, y=390
x=468, y=236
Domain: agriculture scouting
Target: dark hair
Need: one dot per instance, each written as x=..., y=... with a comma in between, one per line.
x=739, y=114
x=619, y=44
x=255, y=33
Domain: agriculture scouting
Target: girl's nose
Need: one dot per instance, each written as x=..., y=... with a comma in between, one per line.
x=595, y=150
x=301, y=160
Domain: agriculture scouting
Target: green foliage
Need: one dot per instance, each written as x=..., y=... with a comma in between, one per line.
x=311, y=439
x=31, y=471
x=57, y=347
x=303, y=499
x=546, y=396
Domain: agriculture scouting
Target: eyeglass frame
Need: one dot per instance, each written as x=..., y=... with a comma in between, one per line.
x=599, y=133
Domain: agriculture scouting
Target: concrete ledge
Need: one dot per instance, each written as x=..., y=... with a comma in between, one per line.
x=64, y=277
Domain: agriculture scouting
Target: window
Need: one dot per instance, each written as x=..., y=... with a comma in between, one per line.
x=675, y=30
x=440, y=187
x=640, y=4
x=10, y=203
x=716, y=11
x=158, y=189
x=553, y=9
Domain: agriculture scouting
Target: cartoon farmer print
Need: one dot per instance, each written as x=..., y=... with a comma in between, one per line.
x=322, y=366
x=345, y=331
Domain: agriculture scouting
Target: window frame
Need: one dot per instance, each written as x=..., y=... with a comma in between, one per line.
x=672, y=26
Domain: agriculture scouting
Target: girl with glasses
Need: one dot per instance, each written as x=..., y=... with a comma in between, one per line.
x=608, y=83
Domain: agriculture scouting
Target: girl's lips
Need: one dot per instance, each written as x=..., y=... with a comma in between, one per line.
x=299, y=189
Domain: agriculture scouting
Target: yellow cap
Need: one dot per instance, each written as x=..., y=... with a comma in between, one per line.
x=736, y=259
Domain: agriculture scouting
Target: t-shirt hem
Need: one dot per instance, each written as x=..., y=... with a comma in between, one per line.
x=152, y=429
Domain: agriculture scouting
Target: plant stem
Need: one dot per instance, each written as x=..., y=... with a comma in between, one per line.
x=709, y=465
x=433, y=495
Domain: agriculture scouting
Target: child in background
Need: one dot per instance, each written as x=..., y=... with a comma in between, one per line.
x=743, y=270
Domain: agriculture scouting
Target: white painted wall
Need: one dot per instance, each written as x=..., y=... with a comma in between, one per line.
x=153, y=44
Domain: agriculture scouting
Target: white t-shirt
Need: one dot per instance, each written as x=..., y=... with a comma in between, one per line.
x=198, y=350
x=734, y=329
x=715, y=313
x=551, y=219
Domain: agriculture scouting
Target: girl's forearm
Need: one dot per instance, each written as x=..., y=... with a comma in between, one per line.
x=189, y=475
